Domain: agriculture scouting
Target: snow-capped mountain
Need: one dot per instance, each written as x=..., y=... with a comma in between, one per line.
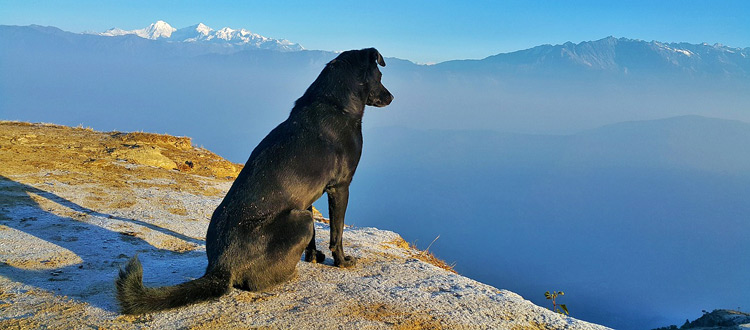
x=160, y=29
x=201, y=33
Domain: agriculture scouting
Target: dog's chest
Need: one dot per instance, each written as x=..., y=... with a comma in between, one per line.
x=349, y=147
x=346, y=148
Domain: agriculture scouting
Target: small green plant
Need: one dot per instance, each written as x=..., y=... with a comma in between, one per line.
x=561, y=308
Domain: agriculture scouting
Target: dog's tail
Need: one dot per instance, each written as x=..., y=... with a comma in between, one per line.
x=134, y=298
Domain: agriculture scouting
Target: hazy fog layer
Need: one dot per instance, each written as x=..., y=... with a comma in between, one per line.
x=641, y=224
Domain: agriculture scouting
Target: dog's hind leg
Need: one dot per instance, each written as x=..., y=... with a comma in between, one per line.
x=283, y=240
x=311, y=253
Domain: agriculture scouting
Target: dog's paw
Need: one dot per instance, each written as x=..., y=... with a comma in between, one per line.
x=315, y=256
x=347, y=262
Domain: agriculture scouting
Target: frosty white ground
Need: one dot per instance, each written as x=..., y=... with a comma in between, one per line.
x=50, y=243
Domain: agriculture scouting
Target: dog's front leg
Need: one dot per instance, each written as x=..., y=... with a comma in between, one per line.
x=338, y=198
x=311, y=253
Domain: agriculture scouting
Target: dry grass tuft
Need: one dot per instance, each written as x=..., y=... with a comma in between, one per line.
x=423, y=255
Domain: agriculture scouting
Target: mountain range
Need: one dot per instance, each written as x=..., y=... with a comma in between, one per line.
x=200, y=33
x=610, y=54
x=622, y=55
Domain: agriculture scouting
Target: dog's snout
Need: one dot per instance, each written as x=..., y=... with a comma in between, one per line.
x=387, y=97
x=379, y=97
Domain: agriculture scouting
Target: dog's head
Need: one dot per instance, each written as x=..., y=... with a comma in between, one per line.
x=359, y=70
x=351, y=80
x=378, y=95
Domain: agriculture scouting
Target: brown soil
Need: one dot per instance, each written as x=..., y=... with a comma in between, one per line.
x=77, y=156
x=394, y=316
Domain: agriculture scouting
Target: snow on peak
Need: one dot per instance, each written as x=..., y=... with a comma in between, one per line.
x=160, y=29
x=203, y=29
x=202, y=33
x=672, y=48
x=115, y=32
x=684, y=52
x=225, y=34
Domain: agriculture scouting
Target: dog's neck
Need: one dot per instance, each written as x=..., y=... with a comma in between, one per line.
x=335, y=90
x=355, y=107
x=330, y=113
x=352, y=106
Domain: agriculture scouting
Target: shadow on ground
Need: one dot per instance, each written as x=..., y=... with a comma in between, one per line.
x=38, y=238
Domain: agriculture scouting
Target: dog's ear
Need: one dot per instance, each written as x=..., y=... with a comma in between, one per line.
x=376, y=57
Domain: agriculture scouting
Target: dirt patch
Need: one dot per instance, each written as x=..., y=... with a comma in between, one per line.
x=253, y=297
x=124, y=203
x=222, y=322
x=399, y=243
x=178, y=142
x=20, y=324
x=51, y=262
x=145, y=155
x=175, y=244
x=533, y=326
x=395, y=317
x=24, y=251
x=81, y=155
x=178, y=210
x=46, y=310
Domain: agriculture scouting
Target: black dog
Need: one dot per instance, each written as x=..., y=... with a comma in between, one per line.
x=258, y=232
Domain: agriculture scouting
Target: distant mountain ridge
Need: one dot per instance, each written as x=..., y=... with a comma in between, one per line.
x=201, y=33
x=621, y=55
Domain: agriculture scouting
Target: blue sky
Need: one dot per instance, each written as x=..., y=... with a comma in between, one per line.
x=421, y=31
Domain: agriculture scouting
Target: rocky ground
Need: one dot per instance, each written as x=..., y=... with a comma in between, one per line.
x=75, y=204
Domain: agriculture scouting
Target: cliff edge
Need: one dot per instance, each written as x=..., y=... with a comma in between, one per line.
x=75, y=204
